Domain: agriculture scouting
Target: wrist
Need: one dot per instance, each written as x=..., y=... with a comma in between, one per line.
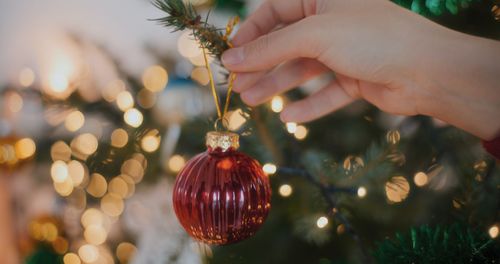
x=458, y=80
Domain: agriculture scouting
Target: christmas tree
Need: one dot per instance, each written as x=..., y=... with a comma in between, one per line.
x=372, y=188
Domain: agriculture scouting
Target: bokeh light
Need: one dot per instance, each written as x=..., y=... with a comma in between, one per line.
x=74, y=121
x=291, y=127
x=95, y=234
x=200, y=75
x=277, y=104
x=26, y=77
x=59, y=171
x=97, y=185
x=85, y=143
x=322, y=222
x=493, y=231
x=269, y=168
x=285, y=190
x=112, y=204
x=88, y=253
x=60, y=151
x=133, y=117
x=397, y=189
x=71, y=258
x=176, y=163
x=155, y=78
x=125, y=252
x=420, y=179
x=300, y=132
x=151, y=141
x=25, y=148
x=124, y=101
x=361, y=192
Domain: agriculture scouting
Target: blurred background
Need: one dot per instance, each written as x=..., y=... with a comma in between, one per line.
x=100, y=108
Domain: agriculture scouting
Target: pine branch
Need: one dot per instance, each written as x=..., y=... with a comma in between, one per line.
x=182, y=16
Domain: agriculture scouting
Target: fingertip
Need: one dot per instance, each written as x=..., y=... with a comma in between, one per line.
x=248, y=98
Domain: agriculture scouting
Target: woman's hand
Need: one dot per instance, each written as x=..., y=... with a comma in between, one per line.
x=380, y=52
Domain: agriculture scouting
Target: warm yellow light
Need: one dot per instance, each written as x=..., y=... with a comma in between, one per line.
x=97, y=186
x=200, y=74
x=74, y=121
x=26, y=77
x=88, y=253
x=58, y=83
x=95, y=234
x=86, y=144
x=134, y=169
x=76, y=172
x=397, y=189
x=130, y=185
x=49, y=231
x=71, y=258
x=64, y=188
x=200, y=60
x=420, y=179
x=155, y=78
x=60, y=151
x=291, y=127
x=112, y=204
x=124, y=100
x=59, y=171
x=151, y=141
x=188, y=46
x=133, y=117
x=285, y=190
x=493, y=231
x=25, y=148
x=112, y=89
x=176, y=163
x=14, y=102
x=92, y=216
x=393, y=136
x=322, y=222
x=119, y=138
x=125, y=251
x=119, y=187
x=361, y=192
x=277, y=104
x=236, y=119
x=300, y=132
x=146, y=98
x=269, y=168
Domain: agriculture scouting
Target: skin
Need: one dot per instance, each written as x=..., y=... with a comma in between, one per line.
x=395, y=59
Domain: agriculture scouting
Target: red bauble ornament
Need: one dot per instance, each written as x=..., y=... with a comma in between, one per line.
x=222, y=196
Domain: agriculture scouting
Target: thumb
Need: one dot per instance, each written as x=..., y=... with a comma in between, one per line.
x=300, y=39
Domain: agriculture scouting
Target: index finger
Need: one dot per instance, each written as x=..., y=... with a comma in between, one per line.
x=271, y=14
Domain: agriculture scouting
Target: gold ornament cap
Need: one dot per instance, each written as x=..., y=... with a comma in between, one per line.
x=222, y=140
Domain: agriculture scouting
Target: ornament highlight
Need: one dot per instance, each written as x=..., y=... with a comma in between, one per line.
x=222, y=196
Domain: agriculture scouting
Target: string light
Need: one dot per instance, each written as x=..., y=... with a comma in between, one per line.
x=397, y=189
x=176, y=163
x=493, y=231
x=420, y=179
x=112, y=89
x=91, y=216
x=361, y=192
x=25, y=148
x=285, y=190
x=300, y=132
x=155, y=78
x=60, y=151
x=269, y=168
x=71, y=258
x=88, y=253
x=322, y=222
x=74, y=121
x=125, y=251
x=118, y=186
x=124, y=101
x=95, y=234
x=277, y=104
x=291, y=127
x=64, y=188
x=97, y=186
x=200, y=74
x=112, y=204
x=134, y=169
x=151, y=141
x=59, y=171
x=58, y=83
x=76, y=171
x=133, y=117
x=14, y=102
x=119, y=138
x=146, y=98
x=188, y=46
x=26, y=77
x=86, y=144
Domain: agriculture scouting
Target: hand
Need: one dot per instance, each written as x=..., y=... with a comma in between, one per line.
x=391, y=57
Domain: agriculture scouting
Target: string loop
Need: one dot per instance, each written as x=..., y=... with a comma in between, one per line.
x=221, y=112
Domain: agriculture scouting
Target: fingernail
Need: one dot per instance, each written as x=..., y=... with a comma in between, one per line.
x=233, y=56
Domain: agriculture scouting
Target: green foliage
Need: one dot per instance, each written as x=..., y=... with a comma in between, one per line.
x=181, y=16
x=435, y=7
x=452, y=244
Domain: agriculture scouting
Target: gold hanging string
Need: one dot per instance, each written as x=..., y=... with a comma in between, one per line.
x=221, y=114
